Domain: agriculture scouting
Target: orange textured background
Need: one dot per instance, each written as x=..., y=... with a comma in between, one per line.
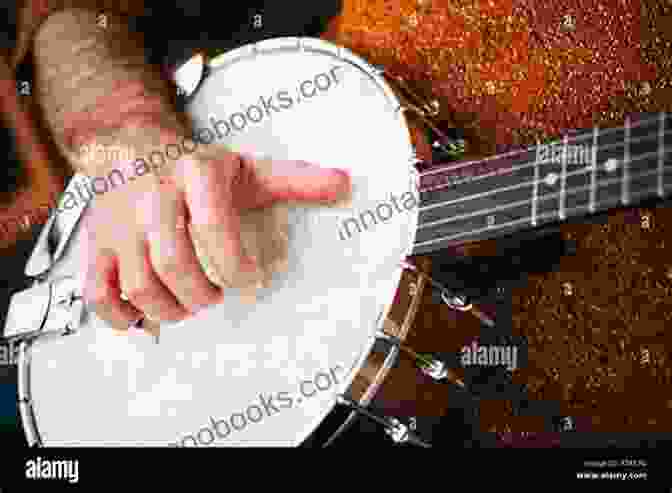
x=509, y=72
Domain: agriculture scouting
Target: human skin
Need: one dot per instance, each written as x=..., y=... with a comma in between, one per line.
x=95, y=88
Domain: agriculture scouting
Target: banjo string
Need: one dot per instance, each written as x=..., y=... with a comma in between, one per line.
x=503, y=188
x=442, y=167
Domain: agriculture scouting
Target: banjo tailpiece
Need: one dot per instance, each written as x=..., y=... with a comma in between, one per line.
x=47, y=308
x=55, y=306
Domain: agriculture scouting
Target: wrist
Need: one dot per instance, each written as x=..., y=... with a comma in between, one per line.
x=93, y=83
x=144, y=146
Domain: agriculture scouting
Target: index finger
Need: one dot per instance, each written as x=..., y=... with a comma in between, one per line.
x=215, y=223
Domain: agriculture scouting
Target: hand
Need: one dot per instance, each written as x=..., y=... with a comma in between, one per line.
x=137, y=242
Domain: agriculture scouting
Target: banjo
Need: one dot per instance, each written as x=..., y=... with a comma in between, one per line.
x=326, y=339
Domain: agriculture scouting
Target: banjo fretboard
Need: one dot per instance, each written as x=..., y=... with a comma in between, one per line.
x=576, y=176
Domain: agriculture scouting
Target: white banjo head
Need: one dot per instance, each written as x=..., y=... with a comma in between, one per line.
x=316, y=322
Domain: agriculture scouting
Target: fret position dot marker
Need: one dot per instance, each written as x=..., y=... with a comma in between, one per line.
x=611, y=164
x=550, y=179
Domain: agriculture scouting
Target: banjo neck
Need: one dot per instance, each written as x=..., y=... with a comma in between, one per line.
x=585, y=174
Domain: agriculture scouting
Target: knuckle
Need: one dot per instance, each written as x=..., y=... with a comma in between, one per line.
x=243, y=172
x=230, y=170
x=178, y=279
x=142, y=294
x=168, y=265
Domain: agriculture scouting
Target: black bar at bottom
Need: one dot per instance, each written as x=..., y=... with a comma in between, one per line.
x=131, y=467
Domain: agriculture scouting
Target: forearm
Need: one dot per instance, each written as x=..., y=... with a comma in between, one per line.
x=94, y=85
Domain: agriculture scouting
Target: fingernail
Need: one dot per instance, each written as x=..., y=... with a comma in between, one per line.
x=198, y=308
x=344, y=172
x=134, y=331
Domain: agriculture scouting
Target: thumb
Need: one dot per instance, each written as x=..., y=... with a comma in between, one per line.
x=291, y=180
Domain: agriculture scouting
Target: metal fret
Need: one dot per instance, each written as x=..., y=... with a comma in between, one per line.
x=625, y=187
x=563, y=182
x=535, y=189
x=610, y=167
x=661, y=153
x=593, y=171
x=459, y=214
